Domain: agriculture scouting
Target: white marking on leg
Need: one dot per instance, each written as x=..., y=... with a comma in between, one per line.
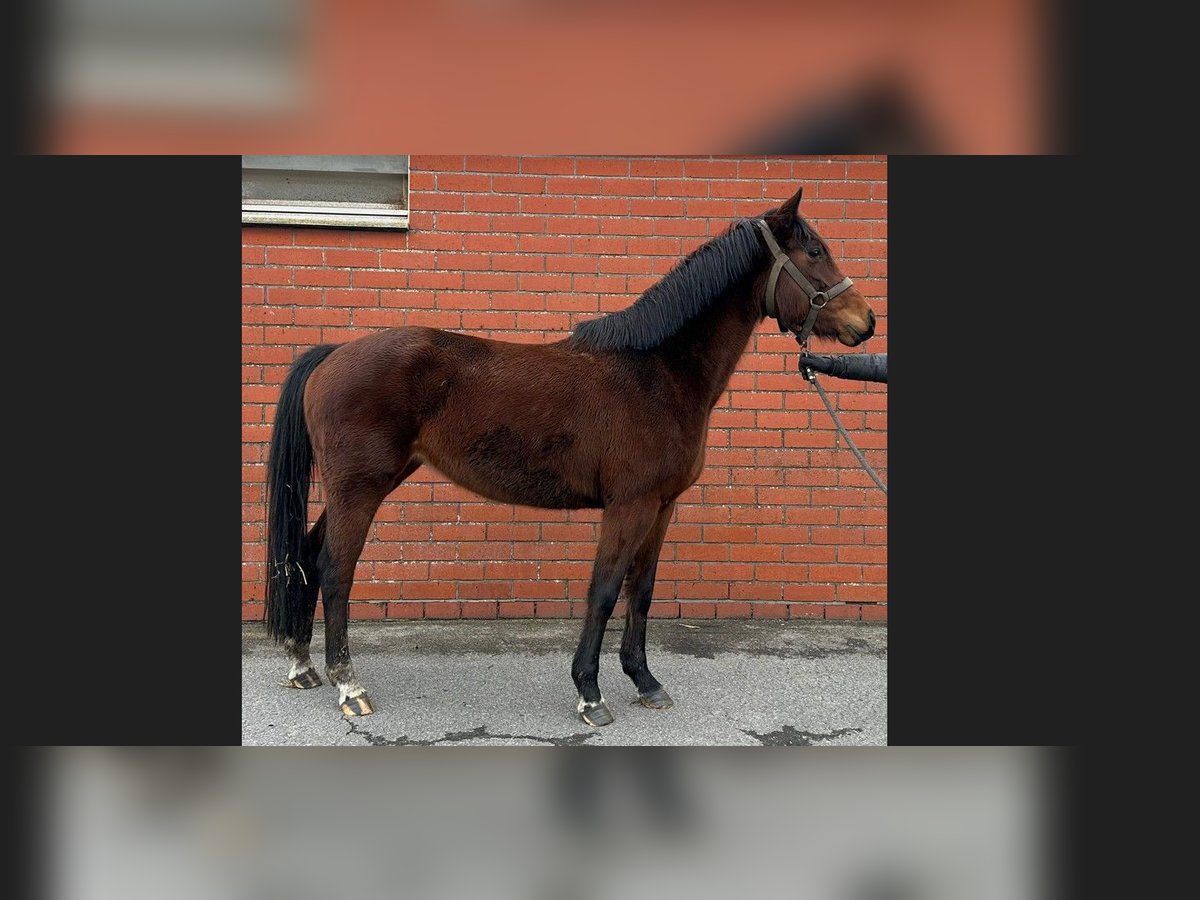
x=298, y=659
x=343, y=676
x=583, y=705
x=299, y=666
x=349, y=691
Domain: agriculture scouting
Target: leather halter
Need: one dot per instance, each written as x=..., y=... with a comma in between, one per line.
x=816, y=299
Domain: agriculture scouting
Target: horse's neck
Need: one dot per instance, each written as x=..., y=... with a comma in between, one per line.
x=705, y=351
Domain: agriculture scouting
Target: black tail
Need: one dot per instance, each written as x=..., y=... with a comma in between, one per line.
x=289, y=469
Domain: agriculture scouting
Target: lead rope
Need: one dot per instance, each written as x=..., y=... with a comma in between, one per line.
x=810, y=376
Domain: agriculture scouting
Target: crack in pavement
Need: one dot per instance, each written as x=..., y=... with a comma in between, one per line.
x=787, y=736
x=452, y=737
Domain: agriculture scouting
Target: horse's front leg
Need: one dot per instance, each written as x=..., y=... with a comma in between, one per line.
x=623, y=529
x=640, y=591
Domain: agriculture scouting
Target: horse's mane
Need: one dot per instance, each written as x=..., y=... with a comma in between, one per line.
x=699, y=279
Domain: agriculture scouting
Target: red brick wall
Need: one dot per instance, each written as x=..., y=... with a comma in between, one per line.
x=782, y=523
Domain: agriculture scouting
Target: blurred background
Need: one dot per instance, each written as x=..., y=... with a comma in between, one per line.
x=886, y=824
x=544, y=76
x=519, y=76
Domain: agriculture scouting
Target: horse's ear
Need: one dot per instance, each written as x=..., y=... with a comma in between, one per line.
x=785, y=217
x=788, y=210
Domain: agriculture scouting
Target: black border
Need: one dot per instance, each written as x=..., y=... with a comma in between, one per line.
x=984, y=290
x=131, y=314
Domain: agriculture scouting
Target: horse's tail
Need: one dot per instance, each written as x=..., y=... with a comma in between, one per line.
x=289, y=469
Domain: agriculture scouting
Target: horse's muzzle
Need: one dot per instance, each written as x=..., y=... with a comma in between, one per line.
x=852, y=337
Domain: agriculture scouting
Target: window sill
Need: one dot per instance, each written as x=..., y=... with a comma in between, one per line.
x=327, y=217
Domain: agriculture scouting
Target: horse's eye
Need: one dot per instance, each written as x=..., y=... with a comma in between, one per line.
x=815, y=251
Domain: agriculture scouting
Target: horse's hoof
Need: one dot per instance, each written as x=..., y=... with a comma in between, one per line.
x=357, y=706
x=595, y=714
x=306, y=679
x=656, y=699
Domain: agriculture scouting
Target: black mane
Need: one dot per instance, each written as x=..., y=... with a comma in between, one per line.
x=698, y=280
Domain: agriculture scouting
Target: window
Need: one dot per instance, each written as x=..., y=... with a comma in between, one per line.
x=336, y=191
x=215, y=58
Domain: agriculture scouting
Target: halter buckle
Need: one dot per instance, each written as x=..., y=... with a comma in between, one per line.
x=824, y=300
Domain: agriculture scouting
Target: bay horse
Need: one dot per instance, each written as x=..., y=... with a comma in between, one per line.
x=613, y=417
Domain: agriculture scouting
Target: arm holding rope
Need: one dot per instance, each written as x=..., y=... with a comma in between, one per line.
x=855, y=366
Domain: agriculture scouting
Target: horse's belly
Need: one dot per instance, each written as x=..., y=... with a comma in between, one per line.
x=548, y=471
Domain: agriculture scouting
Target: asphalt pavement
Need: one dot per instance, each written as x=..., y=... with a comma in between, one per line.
x=508, y=682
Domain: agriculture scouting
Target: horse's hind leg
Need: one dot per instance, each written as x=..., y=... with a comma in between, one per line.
x=350, y=515
x=301, y=673
x=640, y=589
x=622, y=531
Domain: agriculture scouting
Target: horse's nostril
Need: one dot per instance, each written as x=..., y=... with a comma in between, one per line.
x=871, y=317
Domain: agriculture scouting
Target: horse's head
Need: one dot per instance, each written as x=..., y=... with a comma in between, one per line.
x=842, y=313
